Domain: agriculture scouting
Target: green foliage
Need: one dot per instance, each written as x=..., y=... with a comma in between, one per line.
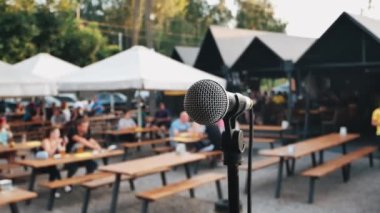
x=258, y=14
x=16, y=35
x=52, y=28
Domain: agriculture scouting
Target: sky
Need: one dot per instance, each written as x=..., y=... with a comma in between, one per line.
x=310, y=18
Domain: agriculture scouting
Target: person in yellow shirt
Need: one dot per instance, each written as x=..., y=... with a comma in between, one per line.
x=376, y=120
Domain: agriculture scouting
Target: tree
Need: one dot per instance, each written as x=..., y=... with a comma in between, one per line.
x=16, y=35
x=258, y=14
x=220, y=14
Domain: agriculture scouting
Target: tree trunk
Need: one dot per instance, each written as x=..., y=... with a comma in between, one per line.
x=136, y=22
x=148, y=23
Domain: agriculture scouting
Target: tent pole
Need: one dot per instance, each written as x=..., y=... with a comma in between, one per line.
x=307, y=108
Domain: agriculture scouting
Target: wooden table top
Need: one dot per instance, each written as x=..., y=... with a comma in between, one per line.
x=69, y=158
x=20, y=146
x=16, y=124
x=15, y=195
x=132, y=131
x=311, y=145
x=269, y=128
x=103, y=117
x=188, y=138
x=138, y=166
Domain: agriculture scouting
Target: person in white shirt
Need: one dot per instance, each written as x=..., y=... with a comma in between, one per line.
x=127, y=122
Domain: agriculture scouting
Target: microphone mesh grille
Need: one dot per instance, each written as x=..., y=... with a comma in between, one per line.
x=206, y=102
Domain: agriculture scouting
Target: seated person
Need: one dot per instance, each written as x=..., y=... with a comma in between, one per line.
x=5, y=138
x=79, y=136
x=97, y=107
x=53, y=144
x=127, y=122
x=58, y=118
x=19, y=110
x=213, y=140
x=162, y=117
x=179, y=125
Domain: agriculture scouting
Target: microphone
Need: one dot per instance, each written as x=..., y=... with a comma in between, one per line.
x=206, y=102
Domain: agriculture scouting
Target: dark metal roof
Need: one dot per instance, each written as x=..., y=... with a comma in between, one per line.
x=351, y=41
x=186, y=55
x=266, y=54
x=222, y=46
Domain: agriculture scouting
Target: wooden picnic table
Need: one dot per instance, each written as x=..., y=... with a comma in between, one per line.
x=103, y=118
x=18, y=124
x=20, y=146
x=13, y=196
x=188, y=138
x=134, y=167
x=37, y=164
x=304, y=148
x=131, y=131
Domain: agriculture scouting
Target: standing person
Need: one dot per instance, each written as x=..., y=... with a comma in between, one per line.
x=376, y=121
x=97, y=107
x=53, y=144
x=79, y=137
x=66, y=111
x=162, y=117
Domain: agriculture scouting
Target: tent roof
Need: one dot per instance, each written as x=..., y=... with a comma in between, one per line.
x=351, y=41
x=46, y=66
x=135, y=68
x=222, y=46
x=4, y=65
x=285, y=46
x=18, y=83
x=187, y=55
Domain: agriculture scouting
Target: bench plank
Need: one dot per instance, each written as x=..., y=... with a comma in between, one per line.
x=144, y=143
x=339, y=162
x=260, y=164
x=163, y=149
x=109, y=180
x=15, y=195
x=210, y=154
x=162, y=192
x=261, y=140
x=75, y=180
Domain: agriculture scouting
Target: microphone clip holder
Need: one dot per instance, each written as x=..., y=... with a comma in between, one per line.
x=233, y=146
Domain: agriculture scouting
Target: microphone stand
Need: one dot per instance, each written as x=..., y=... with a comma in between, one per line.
x=233, y=146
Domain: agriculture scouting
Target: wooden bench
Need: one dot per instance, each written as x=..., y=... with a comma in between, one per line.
x=342, y=162
x=163, y=149
x=174, y=188
x=12, y=197
x=94, y=184
x=259, y=164
x=56, y=184
x=269, y=141
x=138, y=144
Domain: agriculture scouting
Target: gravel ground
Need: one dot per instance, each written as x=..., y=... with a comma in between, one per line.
x=360, y=194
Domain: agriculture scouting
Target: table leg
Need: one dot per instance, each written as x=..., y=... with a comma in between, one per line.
x=188, y=175
x=115, y=193
x=321, y=157
x=13, y=207
x=279, y=178
x=313, y=160
x=290, y=165
x=32, y=181
x=344, y=149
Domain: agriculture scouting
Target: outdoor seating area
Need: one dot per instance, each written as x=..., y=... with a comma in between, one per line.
x=192, y=106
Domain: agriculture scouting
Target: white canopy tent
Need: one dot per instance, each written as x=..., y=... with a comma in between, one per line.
x=18, y=83
x=135, y=68
x=46, y=66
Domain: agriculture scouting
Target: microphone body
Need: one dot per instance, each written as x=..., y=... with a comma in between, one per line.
x=206, y=102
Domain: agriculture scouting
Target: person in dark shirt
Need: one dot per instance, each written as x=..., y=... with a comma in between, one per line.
x=79, y=137
x=162, y=117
